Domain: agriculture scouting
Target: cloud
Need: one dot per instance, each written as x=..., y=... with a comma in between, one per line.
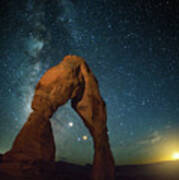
x=153, y=138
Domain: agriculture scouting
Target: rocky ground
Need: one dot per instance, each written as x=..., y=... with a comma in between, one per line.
x=68, y=171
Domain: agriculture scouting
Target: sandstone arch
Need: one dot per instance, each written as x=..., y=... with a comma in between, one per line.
x=34, y=145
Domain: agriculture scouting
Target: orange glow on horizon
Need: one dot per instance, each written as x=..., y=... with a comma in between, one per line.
x=175, y=156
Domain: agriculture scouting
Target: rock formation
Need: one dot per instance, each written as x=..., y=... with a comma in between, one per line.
x=34, y=145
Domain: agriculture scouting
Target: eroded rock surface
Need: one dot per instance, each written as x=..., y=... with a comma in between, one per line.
x=34, y=145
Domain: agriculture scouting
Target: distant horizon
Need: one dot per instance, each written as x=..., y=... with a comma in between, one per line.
x=157, y=162
x=132, y=164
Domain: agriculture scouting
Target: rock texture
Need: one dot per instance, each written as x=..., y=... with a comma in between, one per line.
x=34, y=145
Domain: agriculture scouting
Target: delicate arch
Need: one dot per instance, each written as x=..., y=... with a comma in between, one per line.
x=70, y=79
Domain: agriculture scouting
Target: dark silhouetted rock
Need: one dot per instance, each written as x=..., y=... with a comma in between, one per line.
x=1, y=158
x=33, y=151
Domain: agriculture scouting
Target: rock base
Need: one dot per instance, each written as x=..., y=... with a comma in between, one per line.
x=27, y=171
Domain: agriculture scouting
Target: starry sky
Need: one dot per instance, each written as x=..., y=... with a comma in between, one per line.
x=132, y=47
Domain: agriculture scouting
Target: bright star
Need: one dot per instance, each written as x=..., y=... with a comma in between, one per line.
x=70, y=124
x=85, y=138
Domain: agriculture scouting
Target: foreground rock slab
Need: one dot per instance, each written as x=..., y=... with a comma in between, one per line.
x=33, y=151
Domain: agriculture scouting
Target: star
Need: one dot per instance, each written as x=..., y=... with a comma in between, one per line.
x=85, y=137
x=70, y=124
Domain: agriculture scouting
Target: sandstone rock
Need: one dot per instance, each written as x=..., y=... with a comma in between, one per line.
x=34, y=145
x=33, y=151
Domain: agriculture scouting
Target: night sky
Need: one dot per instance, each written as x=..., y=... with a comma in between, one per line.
x=132, y=46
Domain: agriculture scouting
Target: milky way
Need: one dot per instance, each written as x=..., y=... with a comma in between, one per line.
x=131, y=47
